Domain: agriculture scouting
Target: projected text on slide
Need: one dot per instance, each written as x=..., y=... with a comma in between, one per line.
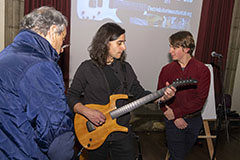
x=172, y=14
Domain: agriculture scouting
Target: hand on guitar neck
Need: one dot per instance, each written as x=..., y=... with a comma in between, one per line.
x=168, y=93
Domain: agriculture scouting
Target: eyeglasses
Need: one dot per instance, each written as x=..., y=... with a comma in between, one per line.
x=64, y=46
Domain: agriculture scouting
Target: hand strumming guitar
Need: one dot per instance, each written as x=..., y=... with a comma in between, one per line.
x=95, y=116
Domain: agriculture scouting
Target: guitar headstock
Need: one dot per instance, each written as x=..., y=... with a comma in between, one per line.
x=183, y=82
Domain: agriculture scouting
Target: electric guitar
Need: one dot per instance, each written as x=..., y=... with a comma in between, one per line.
x=91, y=137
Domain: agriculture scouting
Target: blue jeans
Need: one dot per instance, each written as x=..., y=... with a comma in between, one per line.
x=180, y=141
x=62, y=147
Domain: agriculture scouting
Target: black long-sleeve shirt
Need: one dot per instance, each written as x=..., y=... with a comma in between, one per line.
x=90, y=86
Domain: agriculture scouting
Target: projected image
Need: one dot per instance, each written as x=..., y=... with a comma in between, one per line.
x=172, y=14
x=96, y=10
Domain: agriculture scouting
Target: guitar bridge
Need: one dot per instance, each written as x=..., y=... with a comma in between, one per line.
x=90, y=126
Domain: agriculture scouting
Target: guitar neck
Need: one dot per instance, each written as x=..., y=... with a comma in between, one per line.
x=159, y=93
x=135, y=104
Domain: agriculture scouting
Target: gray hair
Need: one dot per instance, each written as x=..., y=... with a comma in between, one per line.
x=41, y=19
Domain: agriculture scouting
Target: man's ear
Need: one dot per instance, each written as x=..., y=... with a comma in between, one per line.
x=52, y=33
x=108, y=45
x=186, y=50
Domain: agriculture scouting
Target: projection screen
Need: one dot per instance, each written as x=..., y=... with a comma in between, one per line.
x=148, y=24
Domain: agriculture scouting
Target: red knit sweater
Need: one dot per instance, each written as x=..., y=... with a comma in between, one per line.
x=188, y=99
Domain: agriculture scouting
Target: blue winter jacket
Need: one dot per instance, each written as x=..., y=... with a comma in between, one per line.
x=35, y=120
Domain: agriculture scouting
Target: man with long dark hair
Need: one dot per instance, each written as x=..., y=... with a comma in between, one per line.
x=107, y=73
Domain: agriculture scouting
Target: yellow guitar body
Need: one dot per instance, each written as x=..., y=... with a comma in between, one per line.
x=93, y=139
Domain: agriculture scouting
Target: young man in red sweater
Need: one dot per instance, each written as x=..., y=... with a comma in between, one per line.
x=183, y=112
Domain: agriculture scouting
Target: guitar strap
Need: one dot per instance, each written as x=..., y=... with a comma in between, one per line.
x=124, y=77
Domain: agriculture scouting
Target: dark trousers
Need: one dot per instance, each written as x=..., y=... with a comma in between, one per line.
x=115, y=150
x=180, y=141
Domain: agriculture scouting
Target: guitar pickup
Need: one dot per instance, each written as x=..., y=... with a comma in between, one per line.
x=90, y=126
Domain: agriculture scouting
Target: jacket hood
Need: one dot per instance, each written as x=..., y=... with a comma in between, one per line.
x=37, y=42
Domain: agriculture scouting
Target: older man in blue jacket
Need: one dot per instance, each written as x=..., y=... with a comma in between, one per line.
x=35, y=120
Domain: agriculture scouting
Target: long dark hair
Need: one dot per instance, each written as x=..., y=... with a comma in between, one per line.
x=98, y=49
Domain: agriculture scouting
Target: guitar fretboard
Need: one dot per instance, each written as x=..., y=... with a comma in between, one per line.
x=135, y=104
x=159, y=93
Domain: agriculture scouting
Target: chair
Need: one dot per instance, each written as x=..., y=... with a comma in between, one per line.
x=232, y=116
